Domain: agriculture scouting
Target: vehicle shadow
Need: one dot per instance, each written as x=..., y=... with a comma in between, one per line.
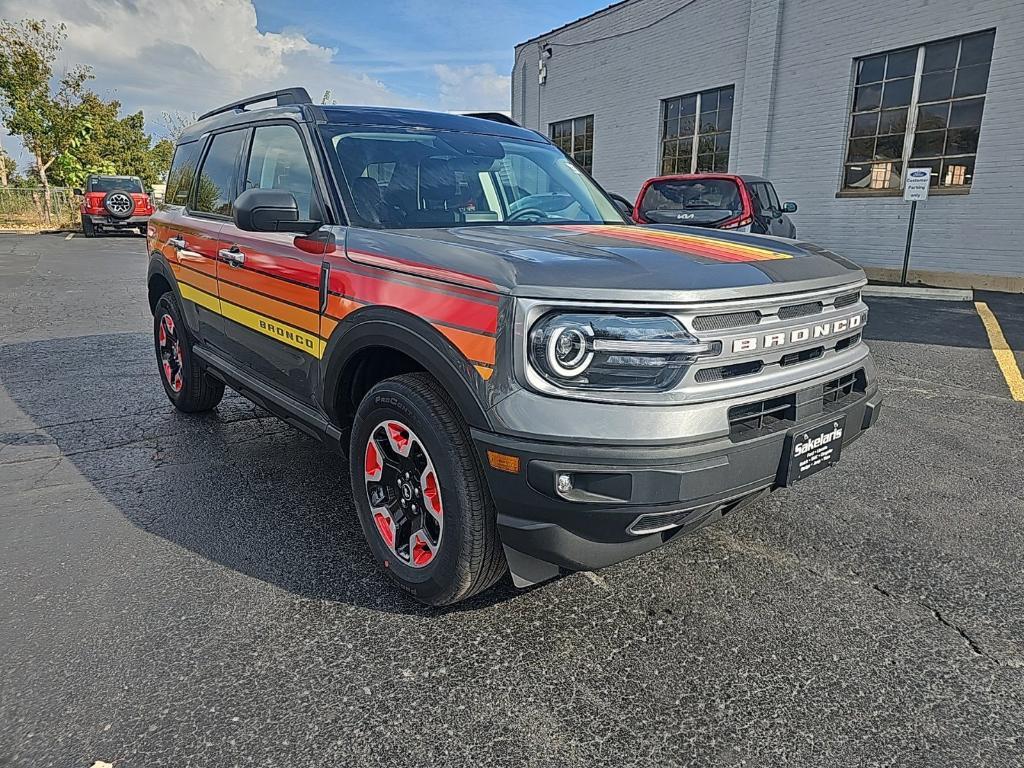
x=918, y=321
x=236, y=486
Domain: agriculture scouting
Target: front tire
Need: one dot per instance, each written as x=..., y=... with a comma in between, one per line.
x=188, y=387
x=420, y=493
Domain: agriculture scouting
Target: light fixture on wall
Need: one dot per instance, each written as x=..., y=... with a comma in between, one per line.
x=542, y=67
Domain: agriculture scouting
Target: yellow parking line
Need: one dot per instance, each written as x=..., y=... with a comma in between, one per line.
x=1004, y=355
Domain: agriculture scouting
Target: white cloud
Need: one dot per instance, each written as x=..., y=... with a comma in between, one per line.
x=473, y=88
x=192, y=55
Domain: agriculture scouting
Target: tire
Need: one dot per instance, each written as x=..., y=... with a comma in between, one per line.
x=465, y=556
x=118, y=204
x=188, y=387
x=87, y=228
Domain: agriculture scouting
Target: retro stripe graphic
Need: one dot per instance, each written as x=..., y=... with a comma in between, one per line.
x=288, y=311
x=709, y=247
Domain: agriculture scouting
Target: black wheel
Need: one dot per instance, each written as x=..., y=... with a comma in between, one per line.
x=188, y=387
x=87, y=228
x=420, y=492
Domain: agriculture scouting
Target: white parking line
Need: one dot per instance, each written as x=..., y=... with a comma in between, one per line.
x=70, y=235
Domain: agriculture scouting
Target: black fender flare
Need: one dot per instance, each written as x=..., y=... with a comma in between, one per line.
x=378, y=326
x=158, y=266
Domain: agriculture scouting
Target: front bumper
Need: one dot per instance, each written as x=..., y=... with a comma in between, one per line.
x=627, y=500
x=109, y=222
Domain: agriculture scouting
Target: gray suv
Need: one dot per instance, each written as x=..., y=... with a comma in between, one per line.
x=522, y=380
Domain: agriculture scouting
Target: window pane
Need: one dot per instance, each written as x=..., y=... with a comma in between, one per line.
x=873, y=176
x=218, y=177
x=772, y=197
x=709, y=122
x=977, y=49
x=706, y=143
x=182, y=173
x=897, y=92
x=893, y=121
x=932, y=116
x=929, y=143
x=760, y=198
x=865, y=125
x=722, y=142
x=971, y=81
x=278, y=161
x=957, y=172
x=669, y=148
x=671, y=128
x=964, y=114
x=938, y=56
x=725, y=98
x=936, y=87
x=687, y=124
x=962, y=141
x=579, y=126
x=901, y=64
x=889, y=147
x=671, y=109
x=721, y=162
x=668, y=166
x=870, y=70
x=688, y=105
x=867, y=97
x=861, y=150
x=709, y=101
x=705, y=163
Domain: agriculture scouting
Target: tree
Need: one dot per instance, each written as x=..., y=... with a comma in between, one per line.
x=175, y=123
x=7, y=168
x=49, y=123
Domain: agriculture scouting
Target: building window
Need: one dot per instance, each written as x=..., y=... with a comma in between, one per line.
x=576, y=138
x=695, y=131
x=918, y=107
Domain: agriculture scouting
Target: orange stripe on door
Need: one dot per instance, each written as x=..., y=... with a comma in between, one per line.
x=295, y=294
x=286, y=313
x=193, y=278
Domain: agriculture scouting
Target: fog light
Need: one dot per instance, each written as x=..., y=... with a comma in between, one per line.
x=563, y=483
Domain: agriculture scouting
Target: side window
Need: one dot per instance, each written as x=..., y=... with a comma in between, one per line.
x=761, y=200
x=772, y=197
x=182, y=173
x=216, y=191
x=278, y=161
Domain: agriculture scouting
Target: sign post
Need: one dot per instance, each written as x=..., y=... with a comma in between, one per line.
x=915, y=188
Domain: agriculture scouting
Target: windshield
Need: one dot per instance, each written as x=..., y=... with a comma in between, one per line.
x=425, y=178
x=697, y=201
x=110, y=183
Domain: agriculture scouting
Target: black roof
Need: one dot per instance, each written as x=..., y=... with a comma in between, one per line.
x=383, y=117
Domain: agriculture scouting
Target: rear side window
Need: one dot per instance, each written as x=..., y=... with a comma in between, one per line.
x=278, y=161
x=183, y=172
x=219, y=174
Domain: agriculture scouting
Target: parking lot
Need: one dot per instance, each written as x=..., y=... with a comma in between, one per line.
x=196, y=591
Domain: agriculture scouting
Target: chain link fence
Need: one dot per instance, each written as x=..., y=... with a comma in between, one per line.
x=25, y=208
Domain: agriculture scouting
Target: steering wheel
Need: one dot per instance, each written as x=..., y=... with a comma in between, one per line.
x=537, y=213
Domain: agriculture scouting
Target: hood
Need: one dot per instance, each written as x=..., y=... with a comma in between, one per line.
x=606, y=262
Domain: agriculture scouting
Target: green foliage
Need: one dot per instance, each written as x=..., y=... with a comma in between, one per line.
x=70, y=130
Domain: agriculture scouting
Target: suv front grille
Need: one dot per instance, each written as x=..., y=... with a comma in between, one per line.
x=722, y=322
x=723, y=372
x=778, y=413
x=847, y=299
x=800, y=310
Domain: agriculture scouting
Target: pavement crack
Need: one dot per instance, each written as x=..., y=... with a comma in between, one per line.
x=971, y=643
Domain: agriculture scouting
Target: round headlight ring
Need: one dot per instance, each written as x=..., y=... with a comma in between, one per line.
x=567, y=351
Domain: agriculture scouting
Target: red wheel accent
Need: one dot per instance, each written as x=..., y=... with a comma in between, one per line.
x=371, y=464
x=431, y=494
x=421, y=551
x=399, y=437
x=386, y=526
x=171, y=362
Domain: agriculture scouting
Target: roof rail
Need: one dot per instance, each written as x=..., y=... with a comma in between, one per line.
x=284, y=97
x=497, y=117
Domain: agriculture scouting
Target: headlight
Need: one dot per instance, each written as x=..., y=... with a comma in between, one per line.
x=612, y=351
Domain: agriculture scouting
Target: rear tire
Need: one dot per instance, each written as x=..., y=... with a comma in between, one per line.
x=87, y=228
x=465, y=557
x=188, y=387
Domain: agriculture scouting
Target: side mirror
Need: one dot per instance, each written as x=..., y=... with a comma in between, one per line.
x=78, y=191
x=270, y=210
x=789, y=207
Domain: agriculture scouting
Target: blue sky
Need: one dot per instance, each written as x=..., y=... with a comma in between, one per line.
x=418, y=35
x=186, y=56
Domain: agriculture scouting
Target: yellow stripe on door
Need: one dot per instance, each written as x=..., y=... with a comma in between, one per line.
x=307, y=342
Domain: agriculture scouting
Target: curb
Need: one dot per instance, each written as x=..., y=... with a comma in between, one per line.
x=918, y=292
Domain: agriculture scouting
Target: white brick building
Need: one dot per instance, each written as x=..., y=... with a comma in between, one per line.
x=830, y=99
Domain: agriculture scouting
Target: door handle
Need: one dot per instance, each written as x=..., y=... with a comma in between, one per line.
x=177, y=243
x=232, y=256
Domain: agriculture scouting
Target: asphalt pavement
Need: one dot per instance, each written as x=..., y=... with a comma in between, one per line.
x=195, y=591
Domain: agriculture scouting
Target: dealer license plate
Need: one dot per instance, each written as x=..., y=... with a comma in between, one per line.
x=812, y=450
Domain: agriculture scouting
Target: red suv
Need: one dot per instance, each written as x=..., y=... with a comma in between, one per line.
x=719, y=200
x=114, y=202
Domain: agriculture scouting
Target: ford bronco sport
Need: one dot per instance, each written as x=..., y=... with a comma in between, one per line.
x=114, y=202
x=521, y=379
